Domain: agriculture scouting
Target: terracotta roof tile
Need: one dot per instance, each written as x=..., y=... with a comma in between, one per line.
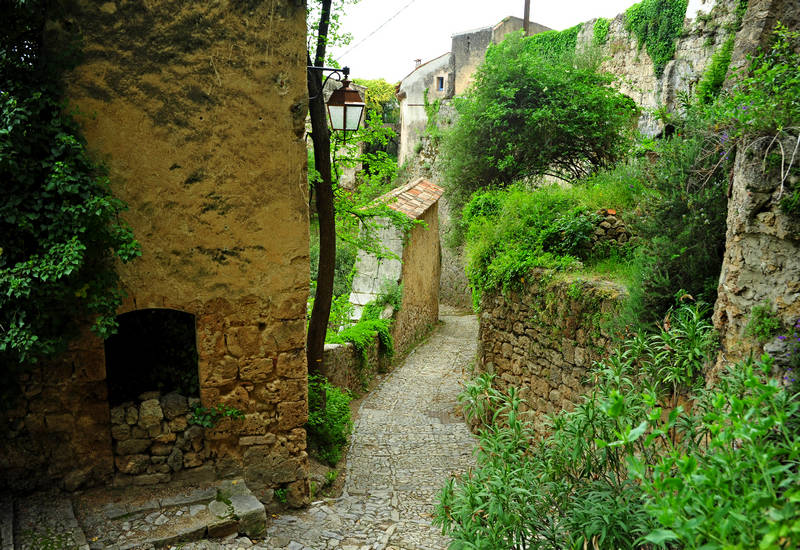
x=414, y=198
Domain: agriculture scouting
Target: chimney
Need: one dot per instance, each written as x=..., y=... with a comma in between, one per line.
x=417, y=63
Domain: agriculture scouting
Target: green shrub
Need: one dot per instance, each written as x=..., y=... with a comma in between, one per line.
x=763, y=323
x=391, y=294
x=657, y=24
x=327, y=427
x=530, y=115
x=710, y=85
x=362, y=335
x=627, y=469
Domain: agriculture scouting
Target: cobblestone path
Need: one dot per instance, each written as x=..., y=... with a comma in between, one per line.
x=407, y=441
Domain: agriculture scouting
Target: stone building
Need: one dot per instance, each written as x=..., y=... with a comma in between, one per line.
x=448, y=75
x=417, y=263
x=198, y=112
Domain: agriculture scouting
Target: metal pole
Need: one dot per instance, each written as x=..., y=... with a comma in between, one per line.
x=527, y=20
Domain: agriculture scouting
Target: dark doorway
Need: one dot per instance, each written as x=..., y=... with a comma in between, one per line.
x=154, y=350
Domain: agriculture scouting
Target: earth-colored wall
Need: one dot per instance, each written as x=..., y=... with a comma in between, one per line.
x=421, y=271
x=543, y=339
x=198, y=111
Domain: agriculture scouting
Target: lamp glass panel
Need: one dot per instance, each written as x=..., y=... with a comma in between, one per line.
x=354, y=113
x=336, y=113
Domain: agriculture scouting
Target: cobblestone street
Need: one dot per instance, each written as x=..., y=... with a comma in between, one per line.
x=407, y=441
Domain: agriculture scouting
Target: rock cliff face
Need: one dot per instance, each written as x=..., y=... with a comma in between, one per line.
x=762, y=249
x=694, y=49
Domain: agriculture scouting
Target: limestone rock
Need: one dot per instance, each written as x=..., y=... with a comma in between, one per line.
x=174, y=405
x=150, y=414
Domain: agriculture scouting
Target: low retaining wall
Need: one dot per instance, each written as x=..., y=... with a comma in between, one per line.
x=542, y=340
x=341, y=365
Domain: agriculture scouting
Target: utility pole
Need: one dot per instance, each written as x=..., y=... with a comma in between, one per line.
x=527, y=21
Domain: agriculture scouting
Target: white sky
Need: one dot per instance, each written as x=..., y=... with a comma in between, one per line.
x=424, y=28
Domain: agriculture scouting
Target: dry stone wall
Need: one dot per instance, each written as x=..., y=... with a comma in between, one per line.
x=544, y=339
x=156, y=442
x=342, y=366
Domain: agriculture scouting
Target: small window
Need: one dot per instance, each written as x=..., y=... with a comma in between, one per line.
x=439, y=83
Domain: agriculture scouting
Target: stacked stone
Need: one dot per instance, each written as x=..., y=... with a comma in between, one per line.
x=611, y=228
x=543, y=341
x=153, y=439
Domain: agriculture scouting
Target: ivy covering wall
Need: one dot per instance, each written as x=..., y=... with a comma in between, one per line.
x=657, y=24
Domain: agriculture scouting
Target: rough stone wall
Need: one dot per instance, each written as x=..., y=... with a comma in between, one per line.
x=762, y=254
x=341, y=365
x=468, y=51
x=58, y=430
x=199, y=117
x=155, y=441
x=543, y=340
x=421, y=271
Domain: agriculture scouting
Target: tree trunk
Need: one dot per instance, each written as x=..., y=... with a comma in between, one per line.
x=320, y=137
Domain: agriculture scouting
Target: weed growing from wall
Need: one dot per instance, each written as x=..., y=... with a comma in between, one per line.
x=328, y=426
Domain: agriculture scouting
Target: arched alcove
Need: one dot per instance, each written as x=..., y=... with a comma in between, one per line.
x=153, y=350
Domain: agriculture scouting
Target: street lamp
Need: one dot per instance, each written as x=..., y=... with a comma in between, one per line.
x=345, y=107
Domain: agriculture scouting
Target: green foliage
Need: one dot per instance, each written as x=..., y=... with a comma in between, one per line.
x=327, y=427
x=511, y=231
x=627, y=469
x=709, y=87
x=600, y=31
x=790, y=204
x=60, y=227
x=763, y=323
x=209, y=417
x=391, y=294
x=657, y=25
x=432, y=130
x=731, y=480
x=280, y=495
x=555, y=45
x=381, y=99
x=764, y=101
x=529, y=115
x=362, y=335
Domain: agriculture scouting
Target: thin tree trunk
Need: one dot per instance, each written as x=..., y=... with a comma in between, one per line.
x=320, y=136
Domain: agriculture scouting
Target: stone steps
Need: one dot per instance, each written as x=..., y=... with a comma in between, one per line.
x=135, y=518
x=6, y=522
x=46, y=520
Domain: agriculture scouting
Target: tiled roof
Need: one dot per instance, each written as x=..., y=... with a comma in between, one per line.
x=414, y=198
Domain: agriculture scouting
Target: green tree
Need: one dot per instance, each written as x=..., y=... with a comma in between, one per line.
x=60, y=229
x=533, y=114
x=381, y=98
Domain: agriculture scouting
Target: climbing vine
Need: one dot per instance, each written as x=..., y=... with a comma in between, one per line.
x=600, y=30
x=60, y=229
x=657, y=25
x=554, y=44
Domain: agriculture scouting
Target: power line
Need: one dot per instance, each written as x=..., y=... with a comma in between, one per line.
x=370, y=35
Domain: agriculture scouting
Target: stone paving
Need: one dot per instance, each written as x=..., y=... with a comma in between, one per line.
x=407, y=441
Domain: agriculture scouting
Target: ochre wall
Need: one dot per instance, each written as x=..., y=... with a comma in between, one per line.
x=421, y=271
x=198, y=111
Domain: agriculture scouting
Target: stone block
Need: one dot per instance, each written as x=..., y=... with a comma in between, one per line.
x=132, y=464
x=174, y=405
x=258, y=369
x=151, y=479
x=59, y=422
x=218, y=372
x=292, y=365
x=223, y=528
x=243, y=341
x=165, y=437
x=150, y=414
x=247, y=441
x=175, y=459
x=251, y=513
x=120, y=432
x=292, y=414
x=297, y=493
x=133, y=446
x=178, y=424
x=201, y=474
x=118, y=415
x=161, y=449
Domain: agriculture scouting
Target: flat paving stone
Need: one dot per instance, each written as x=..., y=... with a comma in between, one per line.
x=408, y=440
